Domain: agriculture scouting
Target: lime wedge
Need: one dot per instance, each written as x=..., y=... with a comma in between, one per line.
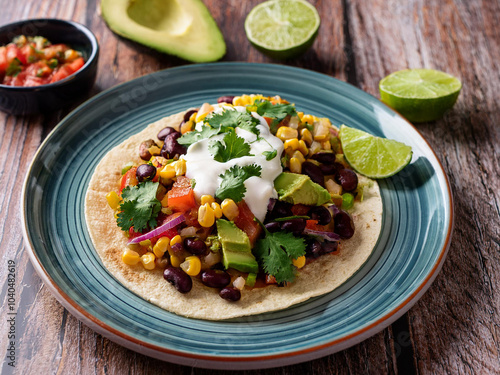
x=372, y=156
x=420, y=94
x=282, y=28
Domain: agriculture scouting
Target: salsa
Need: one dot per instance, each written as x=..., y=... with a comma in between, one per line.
x=34, y=61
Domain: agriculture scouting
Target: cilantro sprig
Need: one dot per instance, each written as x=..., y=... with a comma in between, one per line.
x=14, y=68
x=217, y=123
x=140, y=207
x=275, y=253
x=232, y=185
x=277, y=112
x=232, y=147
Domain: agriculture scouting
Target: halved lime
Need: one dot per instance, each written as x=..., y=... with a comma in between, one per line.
x=372, y=156
x=420, y=94
x=282, y=28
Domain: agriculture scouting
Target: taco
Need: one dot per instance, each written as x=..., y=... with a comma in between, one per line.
x=247, y=199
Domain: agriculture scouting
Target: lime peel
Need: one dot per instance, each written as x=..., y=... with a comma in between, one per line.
x=420, y=95
x=371, y=156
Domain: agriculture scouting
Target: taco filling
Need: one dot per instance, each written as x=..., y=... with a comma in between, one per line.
x=232, y=209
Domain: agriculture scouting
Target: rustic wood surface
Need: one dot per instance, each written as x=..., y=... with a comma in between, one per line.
x=453, y=329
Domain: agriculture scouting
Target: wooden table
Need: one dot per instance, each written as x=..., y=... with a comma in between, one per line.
x=454, y=328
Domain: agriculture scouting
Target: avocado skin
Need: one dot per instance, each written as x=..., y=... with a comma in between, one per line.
x=236, y=248
x=202, y=42
x=300, y=189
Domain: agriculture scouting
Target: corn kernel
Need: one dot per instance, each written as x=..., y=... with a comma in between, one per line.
x=175, y=261
x=301, y=115
x=206, y=216
x=130, y=257
x=193, y=116
x=186, y=127
x=308, y=118
x=229, y=209
x=217, y=210
x=145, y=243
x=295, y=165
x=284, y=133
x=161, y=246
x=291, y=144
x=175, y=240
x=154, y=150
x=113, y=200
x=306, y=136
x=168, y=171
x=180, y=167
x=191, y=265
x=298, y=155
x=207, y=198
x=148, y=261
x=303, y=147
x=326, y=145
x=205, y=109
x=299, y=262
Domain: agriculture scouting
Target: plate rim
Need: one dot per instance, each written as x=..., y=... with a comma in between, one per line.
x=241, y=361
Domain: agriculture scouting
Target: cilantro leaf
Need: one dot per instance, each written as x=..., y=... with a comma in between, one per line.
x=270, y=155
x=231, y=119
x=232, y=185
x=140, y=207
x=191, y=137
x=14, y=68
x=277, y=112
x=276, y=251
x=232, y=148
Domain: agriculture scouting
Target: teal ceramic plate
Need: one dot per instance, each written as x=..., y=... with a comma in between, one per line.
x=417, y=224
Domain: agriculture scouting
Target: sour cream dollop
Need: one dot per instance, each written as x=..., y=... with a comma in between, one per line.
x=201, y=166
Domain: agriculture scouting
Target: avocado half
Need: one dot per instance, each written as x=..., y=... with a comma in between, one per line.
x=184, y=28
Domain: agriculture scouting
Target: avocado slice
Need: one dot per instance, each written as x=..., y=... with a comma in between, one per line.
x=184, y=28
x=298, y=188
x=236, y=248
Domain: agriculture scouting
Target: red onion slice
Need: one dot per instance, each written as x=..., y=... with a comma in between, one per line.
x=329, y=236
x=171, y=221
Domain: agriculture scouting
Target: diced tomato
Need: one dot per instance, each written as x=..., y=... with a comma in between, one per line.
x=192, y=217
x=300, y=209
x=270, y=279
x=133, y=234
x=170, y=233
x=313, y=225
x=61, y=73
x=269, y=120
x=3, y=60
x=245, y=221
x=13, y=52
x=181, y=196
x=129, y=178
x=76, y=64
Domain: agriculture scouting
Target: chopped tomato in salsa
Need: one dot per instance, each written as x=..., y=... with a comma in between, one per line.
x=34, y=61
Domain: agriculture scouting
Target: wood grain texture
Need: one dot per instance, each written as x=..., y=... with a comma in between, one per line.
x=454, y=328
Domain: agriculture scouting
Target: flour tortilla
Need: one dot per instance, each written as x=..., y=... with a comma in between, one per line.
x=319, y=277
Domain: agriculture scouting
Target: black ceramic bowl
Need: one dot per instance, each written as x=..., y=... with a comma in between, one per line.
x=53, y=96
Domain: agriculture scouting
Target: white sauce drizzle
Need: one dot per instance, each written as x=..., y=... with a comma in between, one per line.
x=201, y=166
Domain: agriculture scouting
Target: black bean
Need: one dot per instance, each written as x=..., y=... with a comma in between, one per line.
x=273, y=226
x=280, y=209
x=195, y=246
x=321, y=214
x=314, y=172
x=145, y=172
x=162, y=134
x=343, y=224
x=230, y=294
x=144, y=149
x=215, y=278
x=313, y=248
x=324, y=157
x=226, y=99
x=178, y=278
x=329, y=246
x=189, y=113
x=296, y=226
x=328, y=169
x=171, y=147
x=347, y=178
